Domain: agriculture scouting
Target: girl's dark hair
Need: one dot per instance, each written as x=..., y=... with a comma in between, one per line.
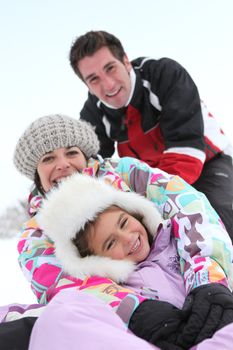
x=81, y=238
x=89, y=43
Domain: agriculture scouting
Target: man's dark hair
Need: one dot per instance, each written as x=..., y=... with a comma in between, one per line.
x=89, y=43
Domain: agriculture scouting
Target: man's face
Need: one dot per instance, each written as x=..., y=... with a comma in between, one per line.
x=106, y=77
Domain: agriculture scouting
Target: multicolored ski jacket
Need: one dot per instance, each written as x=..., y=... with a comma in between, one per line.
x=204, y=247
x=165, y=124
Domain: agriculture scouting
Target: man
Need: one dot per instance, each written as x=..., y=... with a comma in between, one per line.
x=152, y=110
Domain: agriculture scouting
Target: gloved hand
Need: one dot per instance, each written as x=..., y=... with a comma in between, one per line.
x=159, y=323
x=16, y=334
x=207, y=308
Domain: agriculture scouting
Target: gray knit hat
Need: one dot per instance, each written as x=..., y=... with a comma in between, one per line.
x=49, y=133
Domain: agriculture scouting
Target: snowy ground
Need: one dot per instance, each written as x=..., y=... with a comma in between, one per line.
x=14, y=287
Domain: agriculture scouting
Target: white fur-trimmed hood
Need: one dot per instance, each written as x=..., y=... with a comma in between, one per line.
x=79, y=199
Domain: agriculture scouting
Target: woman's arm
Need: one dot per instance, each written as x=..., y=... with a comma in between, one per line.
x=42, y=269
x=203, y=244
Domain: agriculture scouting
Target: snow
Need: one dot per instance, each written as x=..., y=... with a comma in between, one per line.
x=14, y=286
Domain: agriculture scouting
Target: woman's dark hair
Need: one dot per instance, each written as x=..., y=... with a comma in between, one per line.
x=81, y=238
x=89, y=43
x=37, y=183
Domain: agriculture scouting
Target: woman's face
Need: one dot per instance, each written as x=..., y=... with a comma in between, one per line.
x=58, y=164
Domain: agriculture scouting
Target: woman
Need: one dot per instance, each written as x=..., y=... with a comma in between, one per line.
x=54, y=147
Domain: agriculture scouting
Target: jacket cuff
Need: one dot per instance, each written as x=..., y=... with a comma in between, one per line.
x=127, y=307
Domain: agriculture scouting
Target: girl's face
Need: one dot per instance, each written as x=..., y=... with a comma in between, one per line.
x=58, y=164
x=118, y=235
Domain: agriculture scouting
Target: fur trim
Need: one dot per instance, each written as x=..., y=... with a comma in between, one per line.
x=78, y=199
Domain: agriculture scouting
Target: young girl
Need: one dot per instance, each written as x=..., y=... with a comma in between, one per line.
x=99, y=230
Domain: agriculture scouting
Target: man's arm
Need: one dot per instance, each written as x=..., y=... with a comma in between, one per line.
x=181, y=120
x=92, y=114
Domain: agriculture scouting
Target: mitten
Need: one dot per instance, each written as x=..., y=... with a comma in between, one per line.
x=16, y=334
x=159, y=323
x=207, y=309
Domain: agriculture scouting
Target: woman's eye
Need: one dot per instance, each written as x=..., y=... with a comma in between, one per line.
x=47, y=159
x=72, y=153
